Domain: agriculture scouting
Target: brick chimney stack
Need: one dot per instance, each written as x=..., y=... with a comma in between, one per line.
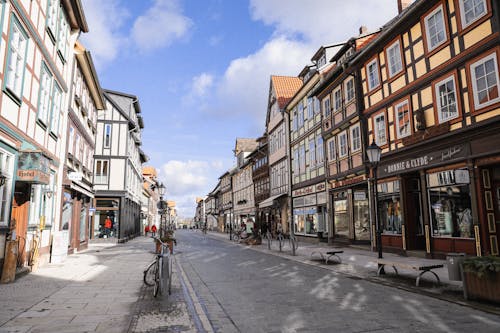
x=402, y=4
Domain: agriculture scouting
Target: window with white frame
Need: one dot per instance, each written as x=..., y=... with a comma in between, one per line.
x=312, y=152
x=63, y=35
x=326, y=106
x=319, y=150
x=107, y=135
x=302, y=158
x=317, y=107
x=332, y=148
x=16, y=58
x=380, y=129
x=294, y=119
x=56, y=110
x=394, y=59
x=77, y=146
x=6, y=169
x=35, y=204
x=403, y=121
x=310, y=108
x=471, y=11
x=295, y=164
x=52, y=16
x=337, y=98
x=435, y=29
x=446, y=99
x=101, y=171
x=485, y=81
x=372, y=73
x=349, y=90
x=301, y=114
x=71, y=140
x=355, y=138
x=342, y=139
x=45, y=95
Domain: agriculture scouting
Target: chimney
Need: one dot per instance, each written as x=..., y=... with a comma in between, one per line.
x=402, y=4
x=363, y=29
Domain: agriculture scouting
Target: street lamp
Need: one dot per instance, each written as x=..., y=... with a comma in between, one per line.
x=373, y=152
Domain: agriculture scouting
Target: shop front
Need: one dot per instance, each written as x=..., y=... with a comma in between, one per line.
x=106, y=222
x=425, y=202
x=351, y=215
x=310, y=212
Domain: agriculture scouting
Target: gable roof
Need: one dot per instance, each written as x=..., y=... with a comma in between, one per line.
x=245, y=145
x=285, y=88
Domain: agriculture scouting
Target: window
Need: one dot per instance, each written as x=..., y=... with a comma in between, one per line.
x=16, y=58
x=394, y=59
x=310, y=107
x=435, y=29
x=403, y=123
x=56, y=110
x=317, y=107
x=446, y=100
x=77, y=146
x=326, y=106
x=342, y=144
x=52, y=9
x=101, y=172
x=294, y=119
x=471, y=11
x=349, y=90
x=6, y=169
x=44, y=97
x=312, y=152
x=63, y=35
x=331, y=150
x=107, y=135
x=355, y=138
x=71, y=140
x=337, y=97
x=485, y=81
x=380, y=129
x=372, y=73
x=319, y=150
x=302, y=158
x=301, y=114
x=295, y=160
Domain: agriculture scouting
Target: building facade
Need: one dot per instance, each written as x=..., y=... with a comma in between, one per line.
x=281, y=89
x=430, y=90
x=118, y=162
x=261, y=184
x=37, y=61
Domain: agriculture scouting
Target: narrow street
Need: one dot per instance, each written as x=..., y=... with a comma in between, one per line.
x=218, y=286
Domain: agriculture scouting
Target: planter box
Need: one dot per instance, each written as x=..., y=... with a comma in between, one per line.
x=486, y=288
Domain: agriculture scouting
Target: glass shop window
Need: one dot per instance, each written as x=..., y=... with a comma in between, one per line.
x=389, y=207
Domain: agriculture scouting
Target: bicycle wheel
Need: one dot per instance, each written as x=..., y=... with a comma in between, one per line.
x=236, y=238
x=294, y=242
x=156, y=287
x=150, y=274
x=280, y=241
x=161, y=275
x=170, y=274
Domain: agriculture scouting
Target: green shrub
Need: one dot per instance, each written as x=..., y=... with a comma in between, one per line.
x=481, y=266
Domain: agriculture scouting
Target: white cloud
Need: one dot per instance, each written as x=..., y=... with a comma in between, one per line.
x=186, y=180
x=160, y=25
x=202, y=83
x=104, y=39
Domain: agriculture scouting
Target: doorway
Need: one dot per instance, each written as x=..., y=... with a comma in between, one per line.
x=414, y=219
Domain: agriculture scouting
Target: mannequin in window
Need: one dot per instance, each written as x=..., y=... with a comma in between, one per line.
x=464, y=220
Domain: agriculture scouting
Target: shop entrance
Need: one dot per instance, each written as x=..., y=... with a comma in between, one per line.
x=413, y=220
x=495, y=176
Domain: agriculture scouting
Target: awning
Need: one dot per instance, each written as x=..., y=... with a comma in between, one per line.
x=82, y=189
x=269, y=201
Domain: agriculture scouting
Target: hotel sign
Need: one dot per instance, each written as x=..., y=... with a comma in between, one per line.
x=451, y=154
x=33, y=167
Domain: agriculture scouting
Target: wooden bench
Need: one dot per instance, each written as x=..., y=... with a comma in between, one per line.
x=422, y=268
x=327, y=255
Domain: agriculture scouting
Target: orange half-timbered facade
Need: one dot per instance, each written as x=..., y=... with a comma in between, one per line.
x=431, y=95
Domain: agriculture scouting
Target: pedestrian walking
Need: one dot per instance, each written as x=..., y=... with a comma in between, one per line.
x=153, y=230
x=107, y=226
x=146, y=230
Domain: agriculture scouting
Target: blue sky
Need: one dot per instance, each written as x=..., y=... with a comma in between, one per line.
x=201, y=70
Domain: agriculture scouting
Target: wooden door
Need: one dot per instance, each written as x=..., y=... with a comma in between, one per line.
x=20, y=211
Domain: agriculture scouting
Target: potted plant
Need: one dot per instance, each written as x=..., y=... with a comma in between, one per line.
x=482, y=278
x=169, y=239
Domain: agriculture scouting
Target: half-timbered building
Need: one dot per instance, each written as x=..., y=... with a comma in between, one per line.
x=37, y=42
x=260, y=178
x=118, y=166
x=431, y=94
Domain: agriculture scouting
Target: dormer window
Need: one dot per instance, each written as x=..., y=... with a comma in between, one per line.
x=321, y=61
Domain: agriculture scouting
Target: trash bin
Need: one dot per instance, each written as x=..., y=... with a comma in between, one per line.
x=454, y=261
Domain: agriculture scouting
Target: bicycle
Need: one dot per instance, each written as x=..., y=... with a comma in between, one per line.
x=269, y=238
x=281, y=240
x=159, y=272
x=294, y=242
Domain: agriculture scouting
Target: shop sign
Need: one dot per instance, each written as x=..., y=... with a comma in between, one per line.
x=33, y=167
x=462, y=177
x=310, y=189
x=450, y=154
x=346, y=182
x=359, y=195
x=75, y=176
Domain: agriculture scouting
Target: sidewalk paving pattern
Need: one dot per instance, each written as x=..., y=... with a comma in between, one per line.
x=101, y=290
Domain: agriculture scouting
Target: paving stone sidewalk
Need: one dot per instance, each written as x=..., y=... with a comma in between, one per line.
x=97, y=290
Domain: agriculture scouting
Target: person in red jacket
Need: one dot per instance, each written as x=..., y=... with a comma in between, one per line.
x=153, y=230
x=146, y=230
x=108, y=224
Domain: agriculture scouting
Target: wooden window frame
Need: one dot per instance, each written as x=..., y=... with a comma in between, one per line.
x=471, y=84
x=374, y=129
x=453, y=75
x=430, y=51
x=373, y=60
x=463, y=29
x=387, y=66
x=410, y=114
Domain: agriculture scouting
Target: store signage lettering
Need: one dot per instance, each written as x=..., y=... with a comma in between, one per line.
x=309, y=189
x=408, y=164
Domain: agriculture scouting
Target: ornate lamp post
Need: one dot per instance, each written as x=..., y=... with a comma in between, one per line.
x=373, y=152
x=161, y=192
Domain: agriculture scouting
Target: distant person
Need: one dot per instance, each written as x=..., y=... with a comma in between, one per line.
x=146, y=230
x=108, y=224
x=153, y=230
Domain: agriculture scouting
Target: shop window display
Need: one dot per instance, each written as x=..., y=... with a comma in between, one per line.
x=361, y=217
x=306, y=221
x=451, y=213
x=341, y=218
x=389, y=207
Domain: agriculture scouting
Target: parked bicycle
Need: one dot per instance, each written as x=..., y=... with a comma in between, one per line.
x=159, y=273
x=269, y=238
